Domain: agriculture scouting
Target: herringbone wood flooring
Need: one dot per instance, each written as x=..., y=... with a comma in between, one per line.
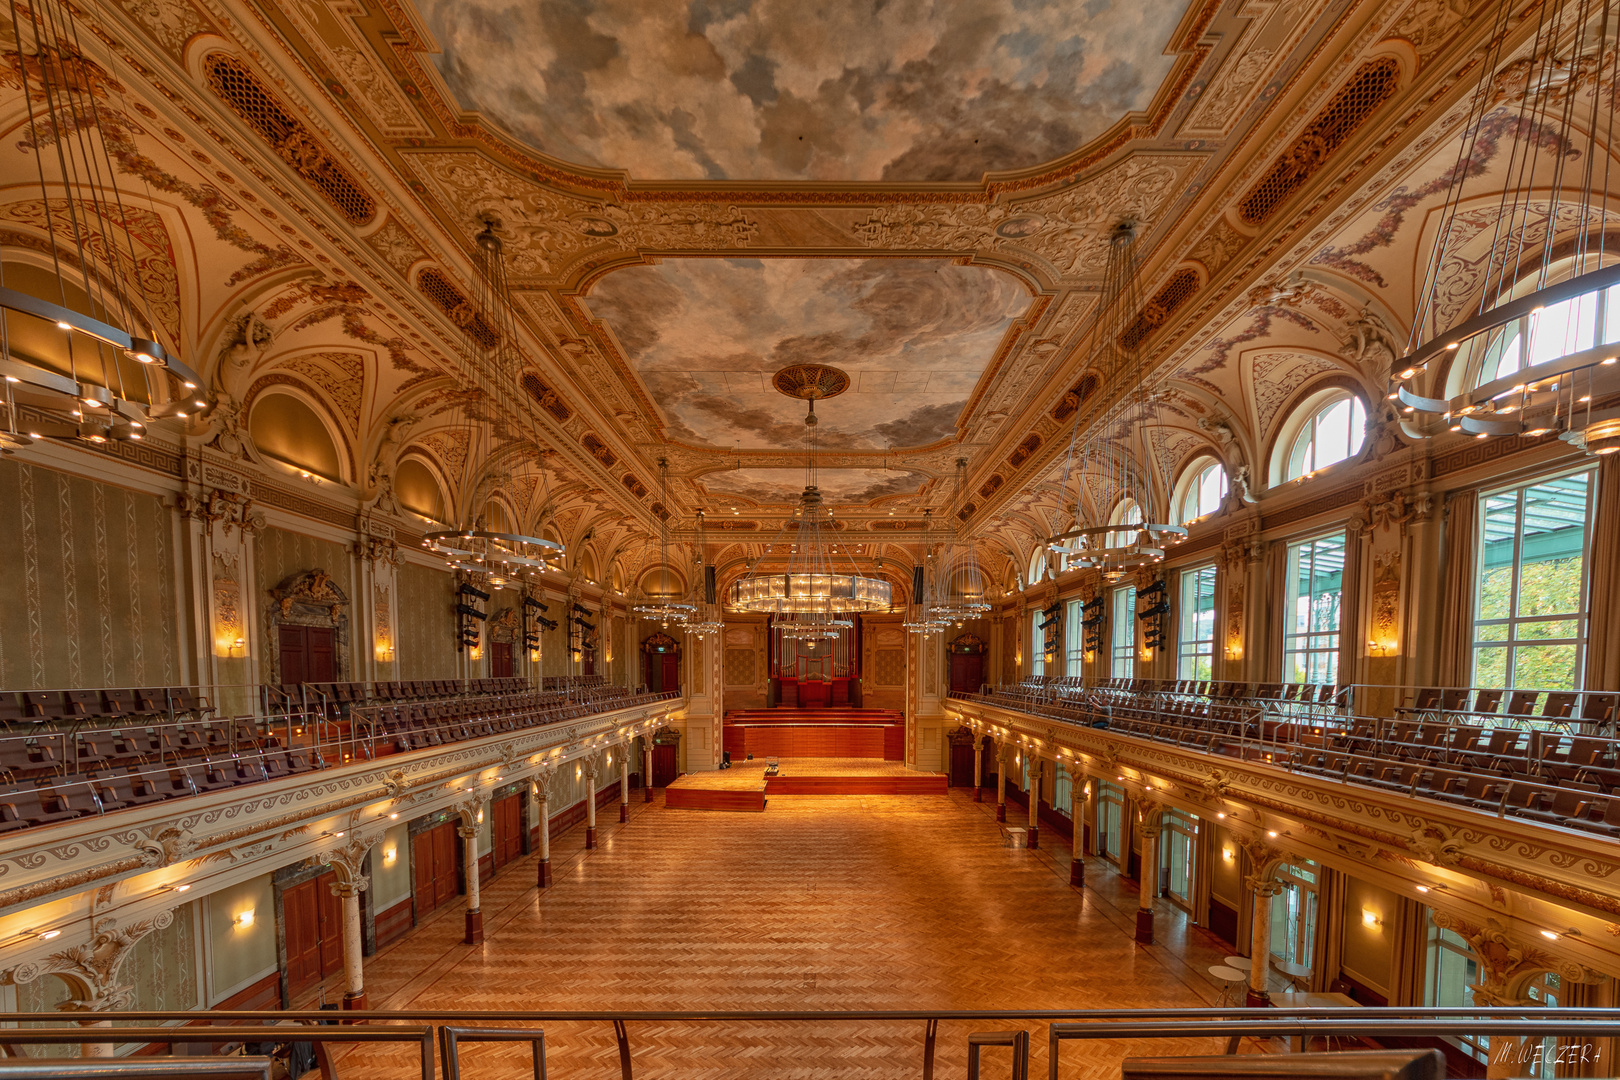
x=821, y=903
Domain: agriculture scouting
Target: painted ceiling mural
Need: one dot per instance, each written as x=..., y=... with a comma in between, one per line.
x=846, y=486
x=706, y=335
x=908, y=90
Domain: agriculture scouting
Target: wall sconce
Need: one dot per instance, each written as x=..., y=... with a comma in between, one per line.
x=578, y=772
x=480, y=818
x=244, y=919
x=389, y=854
x=1370, y=919
x=1228, y=854
x=384, y=651
x=534, y=656
x=1382, y=648
x=239, y=647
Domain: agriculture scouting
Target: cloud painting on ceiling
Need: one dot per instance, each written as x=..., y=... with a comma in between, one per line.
x=706, y=335
x=909, y=90
x=837, y=486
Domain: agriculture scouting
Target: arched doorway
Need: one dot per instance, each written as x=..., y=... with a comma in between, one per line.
x=661, y=661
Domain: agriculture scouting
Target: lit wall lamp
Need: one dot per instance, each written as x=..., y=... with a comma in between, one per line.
x=239, y=647
x=1370, y=919
x=389, y=855
x=1228, y=854
x=1382, y=648
x=243, y=919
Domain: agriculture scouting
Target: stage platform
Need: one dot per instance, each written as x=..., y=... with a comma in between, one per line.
x=745, y=786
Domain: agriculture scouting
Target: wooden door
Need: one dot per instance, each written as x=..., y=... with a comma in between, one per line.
x=508, y=837
x=500, y=660
x=961, y=765
x=290, y=648
x=967, y=672
x=663, y=764
x=301, y=928
x=321, y=658
x=331, y=915
x=670, y=679
x=433, y=865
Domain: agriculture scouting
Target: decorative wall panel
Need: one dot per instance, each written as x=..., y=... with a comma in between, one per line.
x=89, y=596
x=283, y=555
x=426, y=624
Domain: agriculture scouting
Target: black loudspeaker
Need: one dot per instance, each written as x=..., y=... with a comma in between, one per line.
x=916, y=584
x=708, y=584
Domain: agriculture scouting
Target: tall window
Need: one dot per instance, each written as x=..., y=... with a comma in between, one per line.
x=1122, y=637
x=1074, y=639
x=1293, y=915
x=1203, y=492
x=1334, y=432
x=1311, y=632
x=1063, y=789
x=1037, y=644
x=1180, y=838
x=1126, y=512
x=1451, y=972
x=1550, y=333
x=1195, y=640
x=1110, y=813
x=1530, y=617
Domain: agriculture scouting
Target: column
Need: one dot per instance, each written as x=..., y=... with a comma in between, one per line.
x=593, y=767
x=624, y=782
x=1077, y=815
x=475, y=917
x=354, y=978
x=1260, y=943
x=542, y=814
x=978, y=768
x=1149, y=886
x=1002, y=758
x=1037, y=769
x=646, y=766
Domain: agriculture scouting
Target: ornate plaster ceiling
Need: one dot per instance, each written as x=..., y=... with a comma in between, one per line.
x=782, y=486
x=908, y=90
x=706, y=335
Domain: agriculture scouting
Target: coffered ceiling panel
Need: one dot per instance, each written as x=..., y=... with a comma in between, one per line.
x=705, y=335
x=909, y=90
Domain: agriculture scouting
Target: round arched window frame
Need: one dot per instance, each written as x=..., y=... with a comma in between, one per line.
x=1126, y=512
x=1324, y=429
x=1201, y=490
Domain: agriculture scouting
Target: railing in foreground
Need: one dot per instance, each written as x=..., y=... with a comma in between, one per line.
x=1511, y=1034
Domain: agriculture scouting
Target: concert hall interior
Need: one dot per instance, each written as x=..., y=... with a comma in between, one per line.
x=1088, y=529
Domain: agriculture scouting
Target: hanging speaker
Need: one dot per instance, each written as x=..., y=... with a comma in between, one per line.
x=708, y=584
x=916, y=584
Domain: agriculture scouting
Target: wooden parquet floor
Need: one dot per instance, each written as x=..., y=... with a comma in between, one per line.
x=823, y=903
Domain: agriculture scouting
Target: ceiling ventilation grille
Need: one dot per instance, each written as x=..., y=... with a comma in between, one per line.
x=1373, y=84
x=1177, y=291
x=239, y=88
x=547, y=398
x=454, y=303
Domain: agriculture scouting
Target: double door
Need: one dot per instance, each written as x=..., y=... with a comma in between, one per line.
x=307, y=653
x=507, y=838
x=313, y=923
x=434, y=866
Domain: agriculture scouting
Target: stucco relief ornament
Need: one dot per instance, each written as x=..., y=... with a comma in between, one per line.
x=1435, y=844
x=1282, y=292
x=1370, y=345
x=1215, y=785
x=394, y=783
x=92, y=969
x=165, y=846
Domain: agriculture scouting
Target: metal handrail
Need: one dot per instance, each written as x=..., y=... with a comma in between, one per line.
x=1063, y=1025
x=155, y=1068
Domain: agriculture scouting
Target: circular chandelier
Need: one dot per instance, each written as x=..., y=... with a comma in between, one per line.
x=1108, y=472
x=671, y=609
x=1534, y=352
x=503, y=556
x=812, y=586
x=705, y=618
x=959, y=588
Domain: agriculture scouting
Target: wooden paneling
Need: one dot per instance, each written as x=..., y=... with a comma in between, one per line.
x=922, y=784
x=433, y=867
x=811, y=740
x=696, y=798
x=393, y=922
x=507, y=837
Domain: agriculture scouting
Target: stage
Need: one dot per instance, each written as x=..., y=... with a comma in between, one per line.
x=745, y=786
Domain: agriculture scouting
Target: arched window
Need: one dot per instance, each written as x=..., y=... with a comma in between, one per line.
x=1037, y=565
x=1333, y=431
x=1126, y=512
x=1201, y=491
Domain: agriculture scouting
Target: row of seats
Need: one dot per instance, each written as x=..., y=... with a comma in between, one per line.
x=1547, y=766
x=338, y=697
x=54, y=776
x=57, y=706
x=1486, y=705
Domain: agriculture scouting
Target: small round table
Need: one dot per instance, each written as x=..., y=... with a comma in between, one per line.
x=1241, y=963
x=1232, y=982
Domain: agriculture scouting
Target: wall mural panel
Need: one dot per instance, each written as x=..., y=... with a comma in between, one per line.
x=89, y=599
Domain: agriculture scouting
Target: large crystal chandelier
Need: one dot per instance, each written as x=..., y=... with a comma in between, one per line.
x=87, y=364
x=961, y=582
x=671, y=609
x=1110, y=455
x=1532, y=348
x=814, y=592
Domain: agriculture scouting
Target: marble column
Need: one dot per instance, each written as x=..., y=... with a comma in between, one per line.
x=593, y=767
x=1003, y=758
x=978, y=768
x=1260, y=943
x=475, y=917
x=542, y=815
x=646, y=766
x=354, y=977
x=1077, y=815
x=1037, y=770
x=1149, y=886
x=624, y=783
